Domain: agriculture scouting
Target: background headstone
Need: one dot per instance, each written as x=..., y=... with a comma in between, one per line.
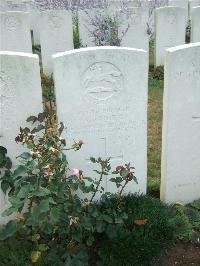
x=101, y=96
x=56, y=35
x=193, y=3
x=180, y=180
x=85, y=27
x=15, y=32
x=195, y=24
x=34, y=14
x=136, y=35
x=170, y=23
x=34, y=24
x=179, y=3
x=3, y=6
x=20, y=97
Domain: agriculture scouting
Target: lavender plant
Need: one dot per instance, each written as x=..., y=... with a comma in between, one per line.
x=104, y=28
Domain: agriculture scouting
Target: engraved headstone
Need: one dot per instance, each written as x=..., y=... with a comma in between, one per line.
x=101, y=95
x=195, y=24
x=86, y=36
x=180, y=180
x=193, y=3
x=34, y=22
x=179, y=3
x=15, y=32
x=56, y=35
x=170, y=23
x=20, y=97
x=136, y=35
x=3, y=5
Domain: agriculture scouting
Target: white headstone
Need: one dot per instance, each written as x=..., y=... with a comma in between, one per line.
x=34, y=21
x=170, y=25
x=20, y=97
x=15, y=32
x=193, y=3
x=136, y=35
x=101, y=96
x=3, y=5
x=85, y=18
x=195, y=24
x=180, y=180
x=56, y=35
x=180, y=3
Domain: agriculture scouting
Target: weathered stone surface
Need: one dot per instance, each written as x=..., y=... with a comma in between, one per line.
x=20, y=97
x=15, y=32
x=193, y=3
x=56, y=35
x=101, y=96
x=34, y=24
x=179, y=3
x=181, y=125
x=170, y=23
x=136, y=35
x=195, y=24
x=85, y=27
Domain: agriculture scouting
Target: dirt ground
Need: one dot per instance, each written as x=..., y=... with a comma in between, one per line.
x=183, y=254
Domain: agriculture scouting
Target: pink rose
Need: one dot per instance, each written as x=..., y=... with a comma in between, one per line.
x=45, y=173
x=75, y=171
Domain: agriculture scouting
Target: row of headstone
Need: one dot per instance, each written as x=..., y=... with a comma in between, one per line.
x=170, y=29
x=114, y=83
x=57, y=35
x=112, y=124
x=132, y=28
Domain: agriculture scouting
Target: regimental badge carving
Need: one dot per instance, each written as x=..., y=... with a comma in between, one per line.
x=136, y=18
x=55, y=22
x=11, y=23
x=133, y=16
x=171, y=18
x=102, y=80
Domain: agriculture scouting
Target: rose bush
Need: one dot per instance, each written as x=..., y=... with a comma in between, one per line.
x=58, y=209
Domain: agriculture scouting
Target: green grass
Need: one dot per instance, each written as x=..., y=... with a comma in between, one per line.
x=154, y=134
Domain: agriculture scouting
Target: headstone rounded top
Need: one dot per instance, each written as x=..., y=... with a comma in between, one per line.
x=183, y=47
x=165, y=8
x=11, y=53
x=102, y=48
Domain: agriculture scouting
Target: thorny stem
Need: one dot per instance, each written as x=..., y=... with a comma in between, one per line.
x=122, y=189
x=100, y=179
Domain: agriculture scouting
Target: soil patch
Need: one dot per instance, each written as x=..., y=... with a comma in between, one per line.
x=183, y=254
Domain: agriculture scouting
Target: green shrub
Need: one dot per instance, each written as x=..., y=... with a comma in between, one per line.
x=132, y=230
x=187, y=221
x=146, y=234
x=15, y=251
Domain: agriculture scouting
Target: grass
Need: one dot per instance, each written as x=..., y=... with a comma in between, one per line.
x=154, y=134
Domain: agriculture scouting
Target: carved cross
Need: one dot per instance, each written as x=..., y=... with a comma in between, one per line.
x=106, y=154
